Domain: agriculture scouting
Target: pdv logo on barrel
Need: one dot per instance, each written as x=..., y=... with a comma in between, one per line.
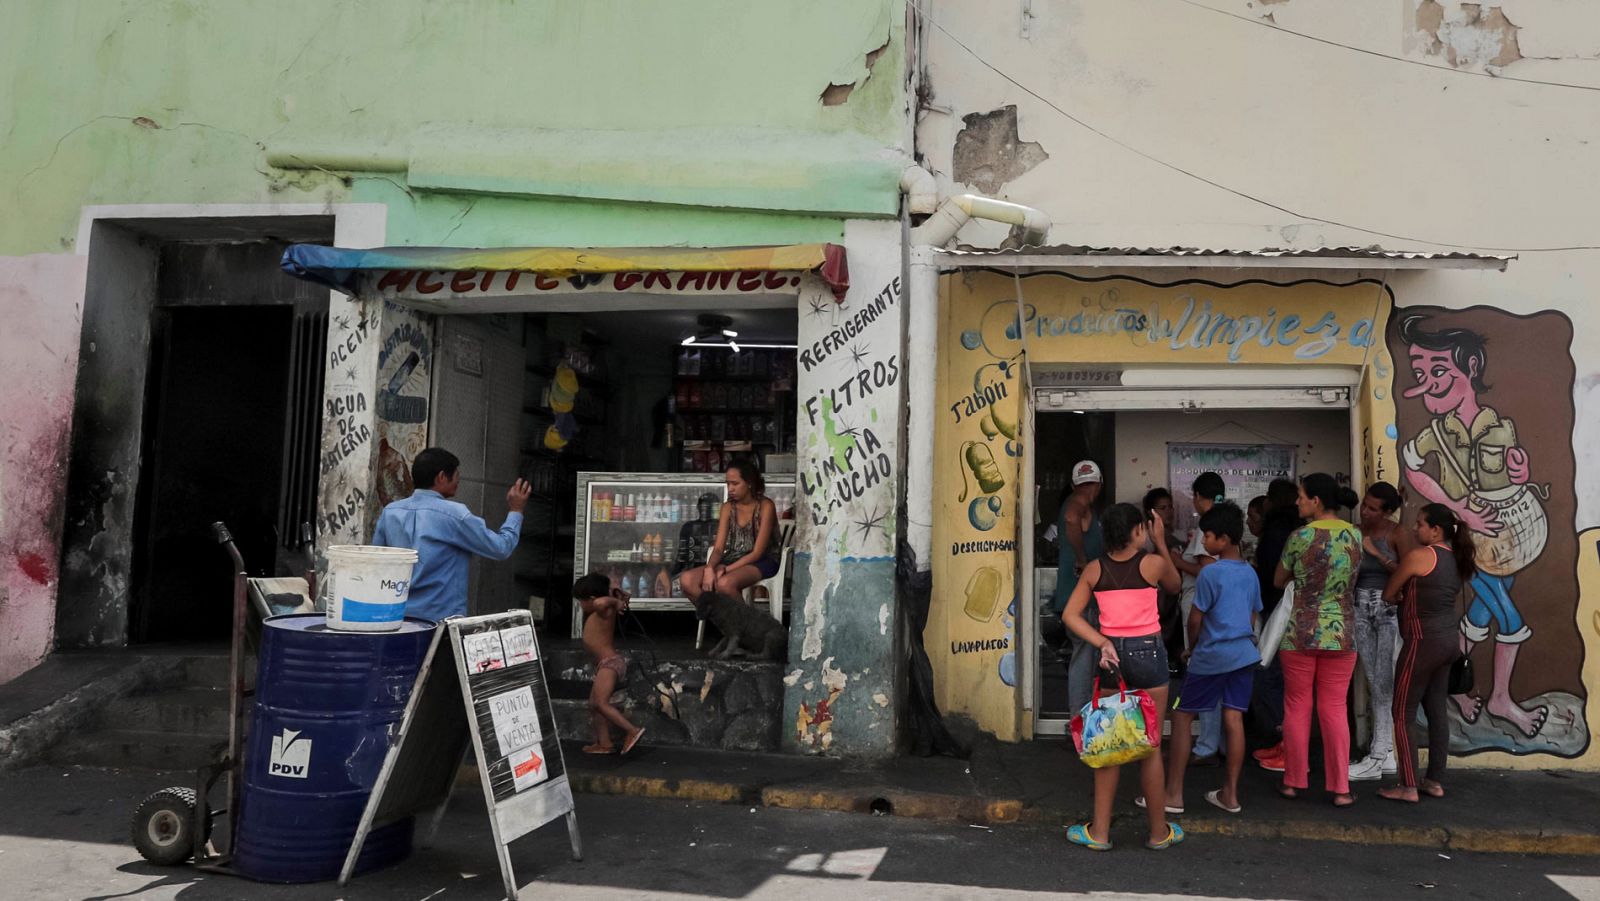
x=291, y=755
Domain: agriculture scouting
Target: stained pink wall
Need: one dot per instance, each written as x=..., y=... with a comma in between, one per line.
x=41, y=302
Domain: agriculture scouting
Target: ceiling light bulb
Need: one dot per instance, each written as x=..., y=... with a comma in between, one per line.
x=734, y=345
x=688, y=341
x=730, y=333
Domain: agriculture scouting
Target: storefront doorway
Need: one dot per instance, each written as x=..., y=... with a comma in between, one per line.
x=610, y=402
x=1151, y=433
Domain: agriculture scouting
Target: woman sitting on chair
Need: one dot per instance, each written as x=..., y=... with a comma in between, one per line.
x=746, y=550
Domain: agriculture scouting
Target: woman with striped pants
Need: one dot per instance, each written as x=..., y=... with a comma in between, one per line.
x=1426, y=585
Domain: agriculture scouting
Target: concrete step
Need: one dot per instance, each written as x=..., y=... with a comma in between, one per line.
x=187, y=710
x=211, y=670
x=137, y=749
x=731, y=710
x=572, y=724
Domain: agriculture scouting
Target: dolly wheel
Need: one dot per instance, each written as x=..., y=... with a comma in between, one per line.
x=163, y=826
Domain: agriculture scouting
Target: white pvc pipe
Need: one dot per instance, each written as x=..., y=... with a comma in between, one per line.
x=921, y=190
x=957, y=211
x=922, y=345
x=922, y=360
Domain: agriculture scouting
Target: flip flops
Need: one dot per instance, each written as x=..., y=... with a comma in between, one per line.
x=1174, y=836
x=1140, y=803
x=1078, y=834
x=633, y=740
x=1214, y=798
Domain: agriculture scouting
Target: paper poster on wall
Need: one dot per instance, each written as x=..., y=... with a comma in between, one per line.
x=1246, y=470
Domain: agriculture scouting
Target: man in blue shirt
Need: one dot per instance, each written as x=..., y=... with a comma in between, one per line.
x=445, y=534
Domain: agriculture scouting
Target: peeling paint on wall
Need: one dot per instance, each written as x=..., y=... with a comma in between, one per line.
x=837, y=94
x=1469, y=35
x=989, y=153
x=848, y=462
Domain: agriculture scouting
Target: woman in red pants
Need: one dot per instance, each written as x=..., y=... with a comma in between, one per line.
x=1318, y=649
x=1426, y=586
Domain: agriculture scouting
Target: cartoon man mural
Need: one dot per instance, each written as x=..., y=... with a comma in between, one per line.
x=1481, y=472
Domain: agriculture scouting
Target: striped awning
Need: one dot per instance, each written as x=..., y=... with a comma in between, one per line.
x=435, y=275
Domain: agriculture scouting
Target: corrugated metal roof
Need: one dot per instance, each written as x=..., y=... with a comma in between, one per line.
x=1340, y=257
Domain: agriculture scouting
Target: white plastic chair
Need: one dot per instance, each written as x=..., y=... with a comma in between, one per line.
x=776, y=595
x=776, y=599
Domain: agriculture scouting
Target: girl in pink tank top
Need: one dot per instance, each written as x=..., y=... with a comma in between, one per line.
x=1125, y=585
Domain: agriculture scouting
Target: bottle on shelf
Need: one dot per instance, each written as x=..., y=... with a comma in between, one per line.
x=663, y=585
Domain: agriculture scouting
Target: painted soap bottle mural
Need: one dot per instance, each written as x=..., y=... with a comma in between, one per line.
x=1489, y=436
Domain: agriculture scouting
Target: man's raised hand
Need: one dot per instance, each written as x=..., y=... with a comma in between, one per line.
x=517, y=497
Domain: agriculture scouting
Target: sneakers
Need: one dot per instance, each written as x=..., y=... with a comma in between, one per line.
x=1366, y=770
x=1271, y=759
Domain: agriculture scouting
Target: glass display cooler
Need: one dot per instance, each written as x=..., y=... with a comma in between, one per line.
x=644, y=529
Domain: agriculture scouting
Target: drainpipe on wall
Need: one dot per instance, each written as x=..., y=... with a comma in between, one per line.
x=922, y=341
x=921, y=190
x=963, y=208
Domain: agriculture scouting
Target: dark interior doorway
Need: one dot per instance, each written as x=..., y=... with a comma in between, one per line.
x=1062, y=440
x=216, y=412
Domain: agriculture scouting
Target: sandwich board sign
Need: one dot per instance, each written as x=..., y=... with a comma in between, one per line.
x=482, y=683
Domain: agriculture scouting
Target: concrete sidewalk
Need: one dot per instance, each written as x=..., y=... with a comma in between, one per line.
x=1043, y=782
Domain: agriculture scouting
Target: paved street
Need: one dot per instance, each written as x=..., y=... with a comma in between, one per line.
x=63, y=835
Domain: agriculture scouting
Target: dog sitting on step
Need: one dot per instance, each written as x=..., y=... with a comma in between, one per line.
x=745, y=630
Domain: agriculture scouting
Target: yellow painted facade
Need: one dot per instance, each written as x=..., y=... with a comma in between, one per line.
x=1121, y=322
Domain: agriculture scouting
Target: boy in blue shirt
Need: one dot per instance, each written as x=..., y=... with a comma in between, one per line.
x=1223, y=655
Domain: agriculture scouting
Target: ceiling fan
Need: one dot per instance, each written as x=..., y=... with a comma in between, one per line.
x=714, y=330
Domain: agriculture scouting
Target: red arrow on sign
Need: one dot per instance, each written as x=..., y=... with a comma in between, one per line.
x=531, y=765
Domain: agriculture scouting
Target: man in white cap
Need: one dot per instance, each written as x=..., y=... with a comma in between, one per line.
x=1081, y=541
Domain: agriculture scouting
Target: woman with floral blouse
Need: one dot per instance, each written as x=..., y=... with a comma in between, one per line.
x=1318, y=649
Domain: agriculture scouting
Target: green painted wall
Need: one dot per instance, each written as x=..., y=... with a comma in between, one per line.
x=183, y=101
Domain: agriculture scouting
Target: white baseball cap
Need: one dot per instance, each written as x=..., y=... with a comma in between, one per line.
x=1084, y=472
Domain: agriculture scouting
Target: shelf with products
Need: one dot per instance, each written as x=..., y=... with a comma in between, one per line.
x=548, y=527
x=725, y=404
x=644, y=529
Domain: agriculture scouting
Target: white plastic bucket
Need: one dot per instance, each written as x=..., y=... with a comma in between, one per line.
x=370, y=587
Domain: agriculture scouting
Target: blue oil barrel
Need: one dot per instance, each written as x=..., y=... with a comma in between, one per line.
x=326, y=706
